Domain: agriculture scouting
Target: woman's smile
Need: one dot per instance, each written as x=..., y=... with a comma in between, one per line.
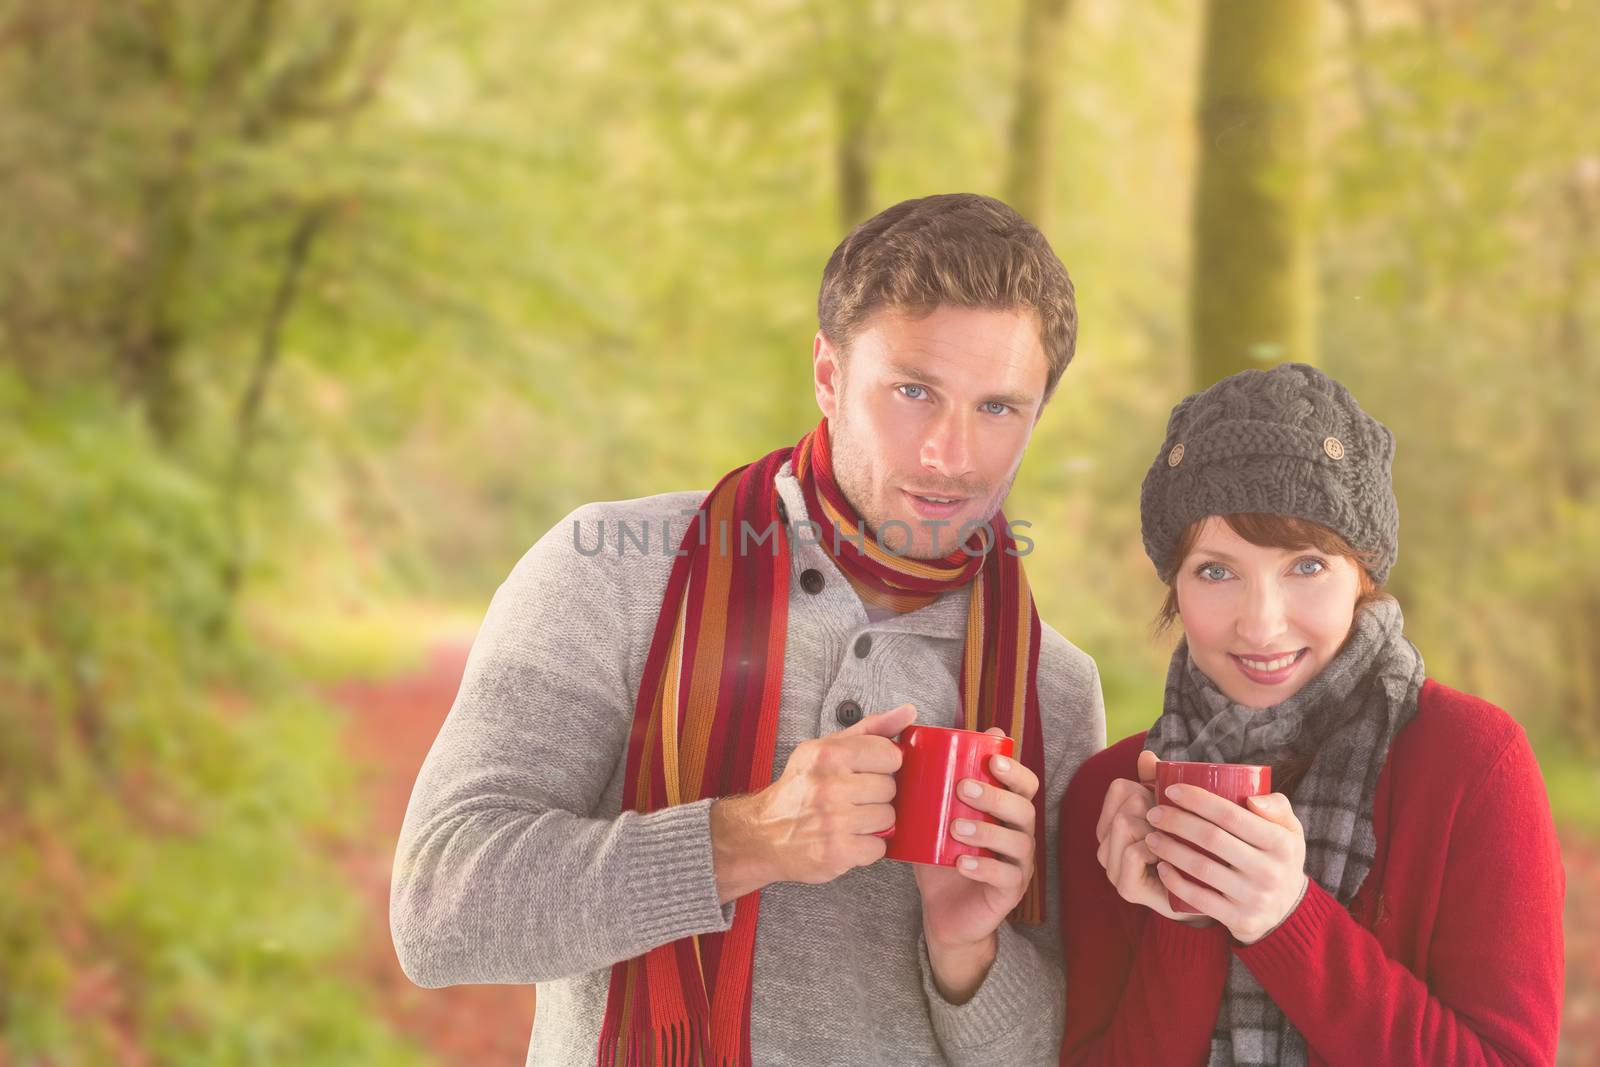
x=1270, y=669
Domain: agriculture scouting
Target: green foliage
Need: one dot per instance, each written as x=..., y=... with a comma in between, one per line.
x=1460, y=256
x=558, y=253
x=171, y=806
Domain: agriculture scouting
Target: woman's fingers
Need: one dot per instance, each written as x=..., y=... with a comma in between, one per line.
x=1205, y=834
x=1204, y=901
x=1117, y=796
x=1227, y=881
x=1239, y=821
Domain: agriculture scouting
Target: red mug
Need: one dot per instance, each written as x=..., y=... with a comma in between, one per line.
x=934, y=761
x=1231, y=781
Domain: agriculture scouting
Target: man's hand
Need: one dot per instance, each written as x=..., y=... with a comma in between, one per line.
x=817, y=820
x=963, y=906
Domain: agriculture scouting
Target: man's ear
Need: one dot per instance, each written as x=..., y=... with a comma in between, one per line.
x=827, y=374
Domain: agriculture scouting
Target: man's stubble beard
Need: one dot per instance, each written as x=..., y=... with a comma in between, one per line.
x=855, y=481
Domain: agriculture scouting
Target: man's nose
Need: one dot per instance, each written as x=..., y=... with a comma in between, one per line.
x=947, y=448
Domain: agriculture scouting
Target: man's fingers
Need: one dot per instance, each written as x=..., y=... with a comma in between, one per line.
x=1004, y=876
x=868, y=755
x=870, y=788
x=1000, y=840
x=866, y=850
x=1014, y=776
x=870, y=818
x=884, y=723
x=1010, y=808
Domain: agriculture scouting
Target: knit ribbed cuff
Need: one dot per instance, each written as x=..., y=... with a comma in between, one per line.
x=1291, y=947
x=674, y=893
x=1179, y=943
x=1006, y=999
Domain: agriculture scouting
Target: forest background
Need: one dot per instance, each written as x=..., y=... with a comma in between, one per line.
x=314, y=317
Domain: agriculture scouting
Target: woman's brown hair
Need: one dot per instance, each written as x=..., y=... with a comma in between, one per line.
x=1271, y=531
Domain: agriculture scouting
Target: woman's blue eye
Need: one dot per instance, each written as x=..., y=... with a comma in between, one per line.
x=991, y=405
x=911, y=392
x=1213, y=572
x=1314, y=565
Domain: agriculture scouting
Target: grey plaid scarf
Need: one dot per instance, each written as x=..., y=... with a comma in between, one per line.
x=1345, y=719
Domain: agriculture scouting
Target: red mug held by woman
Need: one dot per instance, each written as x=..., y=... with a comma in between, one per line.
x=1231, y=781
x=934, y=761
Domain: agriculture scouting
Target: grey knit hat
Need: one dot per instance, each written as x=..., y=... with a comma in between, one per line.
x=1286, y=441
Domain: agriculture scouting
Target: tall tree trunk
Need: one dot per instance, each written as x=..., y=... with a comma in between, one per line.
x=1251, y=286
x=148, y=334
x=859, y=49
x=248, y=418
x=1575, y=459
x=1033, y=121
x=855, y=101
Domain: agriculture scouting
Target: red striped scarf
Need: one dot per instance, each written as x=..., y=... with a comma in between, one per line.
x=705, y=722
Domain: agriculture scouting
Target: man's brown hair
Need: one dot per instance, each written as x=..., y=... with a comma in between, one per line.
x=956, y=249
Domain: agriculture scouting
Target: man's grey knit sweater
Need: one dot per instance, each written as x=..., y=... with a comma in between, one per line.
x=515, y=864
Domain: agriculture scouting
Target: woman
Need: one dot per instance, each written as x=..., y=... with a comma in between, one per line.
x=1398, y=898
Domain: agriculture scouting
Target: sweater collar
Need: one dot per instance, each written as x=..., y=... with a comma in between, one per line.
x=945, y=618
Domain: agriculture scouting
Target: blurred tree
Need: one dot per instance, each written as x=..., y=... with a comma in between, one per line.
x=1252, y=271
x=1033, y=123
x=162, y=902
x=858, y=41
x=1577, y=503
x=1458, y=259
x=247, y=421
x=141, y=118
x=372, y=337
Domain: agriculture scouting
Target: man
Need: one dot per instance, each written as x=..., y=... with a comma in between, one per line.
x=657, y=792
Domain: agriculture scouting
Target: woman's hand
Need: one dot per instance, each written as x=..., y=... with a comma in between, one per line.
x=1261, y=877
x=1127, y=859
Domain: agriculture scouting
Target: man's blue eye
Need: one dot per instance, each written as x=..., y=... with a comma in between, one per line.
x=912, y=392
x=991, y=405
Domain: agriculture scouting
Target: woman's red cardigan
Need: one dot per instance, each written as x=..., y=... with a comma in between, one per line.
x=1450, y=953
